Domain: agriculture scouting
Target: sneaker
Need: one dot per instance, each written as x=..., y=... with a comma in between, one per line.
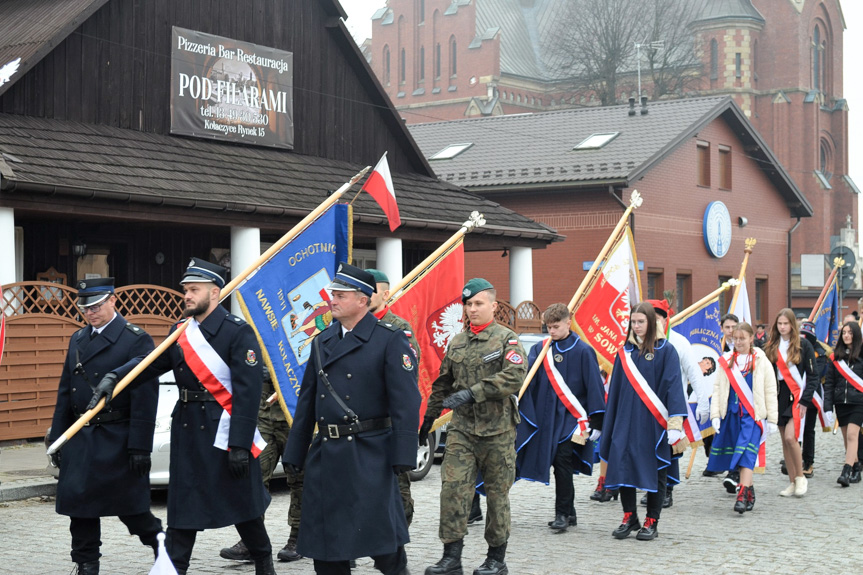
x=801, y=486
x=809, y=471
x=236, y=553
x=730, y=482
x=788, y=491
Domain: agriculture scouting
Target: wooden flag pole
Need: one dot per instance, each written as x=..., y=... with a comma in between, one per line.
x=226, y=291
x=749, y=244
x=682, y=314
x=635, y=201
x=837, y=263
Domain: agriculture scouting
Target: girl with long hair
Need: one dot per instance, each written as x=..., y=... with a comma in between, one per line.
x=844, y=391
x=643, y=425
x=744, y=394
x=794, y=361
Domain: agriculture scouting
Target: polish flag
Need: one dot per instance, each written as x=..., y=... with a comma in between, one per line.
x=380, y=186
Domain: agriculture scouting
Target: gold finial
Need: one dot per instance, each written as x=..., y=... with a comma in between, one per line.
x=838, y=262
x=750, y=243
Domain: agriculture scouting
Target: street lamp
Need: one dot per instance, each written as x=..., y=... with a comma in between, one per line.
x=655, y=45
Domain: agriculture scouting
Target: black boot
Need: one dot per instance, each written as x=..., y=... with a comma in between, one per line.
x=475, y=512
x=493, y=564
x=855, y=473
x=629, y=524
x=668, y=501
x=236, y=553
x=649, y=531
x=89, y=568
x=600, y=487
x=450, y=563
x=845, y=479
x=560, y=523
x=265, y=566
x=750, y=498
x=742, y=496
x=644, y=499
x=289, y=551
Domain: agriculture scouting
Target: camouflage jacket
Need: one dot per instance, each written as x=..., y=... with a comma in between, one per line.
x=492, y=364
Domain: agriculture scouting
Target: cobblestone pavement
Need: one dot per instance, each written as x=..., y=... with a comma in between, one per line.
x=819, y=533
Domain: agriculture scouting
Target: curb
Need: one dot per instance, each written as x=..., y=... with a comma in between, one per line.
x=18, y=490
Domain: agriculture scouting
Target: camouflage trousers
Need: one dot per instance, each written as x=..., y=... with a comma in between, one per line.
x=466, y=454
x=275, y=431
x=407, y=500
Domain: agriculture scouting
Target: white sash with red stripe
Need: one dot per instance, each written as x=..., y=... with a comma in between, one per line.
x=573, y=406
x=215, y=375
x=747, y=399
x=843, y=368
x=818, y=401
x=796, y=384
x=647, y=395
x=690, y=426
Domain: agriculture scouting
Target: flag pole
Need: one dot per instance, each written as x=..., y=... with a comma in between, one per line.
x=837, y=263
x=476, y=220
x=749, y=244
x=225, y=292
x=681, y=315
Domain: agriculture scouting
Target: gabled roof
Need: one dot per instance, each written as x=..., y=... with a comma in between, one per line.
x=715, y=10
x=42, y=156
x=535, y=151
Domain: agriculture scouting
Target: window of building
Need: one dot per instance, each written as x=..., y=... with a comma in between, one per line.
x=437, y=61
x=654, y=284
x=450, y=151
x=760, y=315
x=755, y=61
x=453, y=57
x=683, y=289
x=738, y=67
x=422, y=63
x=386, y=64
x=704, y=164
x=725, y=167
x=816, y=58
x=825, y=162
x=714, y=59
x=724, y=297
x=402, y=67
x=596, y=141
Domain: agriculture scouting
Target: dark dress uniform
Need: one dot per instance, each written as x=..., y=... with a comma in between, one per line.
x=351, y=502
x=202, y=492
x=96, y=479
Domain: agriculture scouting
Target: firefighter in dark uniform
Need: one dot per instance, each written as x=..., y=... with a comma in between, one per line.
x=210, y=486
x=105, y=467
x=360, y=388
x=484, y=367
x=381, y=311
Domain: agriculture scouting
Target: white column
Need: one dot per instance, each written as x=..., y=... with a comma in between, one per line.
x=7, y=240
x=389, y=258
x=245, y=249
x=520, y=275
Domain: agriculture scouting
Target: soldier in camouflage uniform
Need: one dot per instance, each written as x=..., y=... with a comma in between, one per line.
x=483, y=369
x=381, y=311
x=274, y=429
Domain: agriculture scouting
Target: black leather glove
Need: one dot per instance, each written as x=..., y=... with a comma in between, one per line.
x=238, y=458
x=458, y=398
x=55, y=459
x=104, y=389
x=399, y=469
x=425, y=429
x=140, y=464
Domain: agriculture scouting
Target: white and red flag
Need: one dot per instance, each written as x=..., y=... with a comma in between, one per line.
x=434, y=309
x=602, y=316
x=380, y=187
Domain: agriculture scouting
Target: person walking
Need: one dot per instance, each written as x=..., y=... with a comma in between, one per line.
x=843, y=391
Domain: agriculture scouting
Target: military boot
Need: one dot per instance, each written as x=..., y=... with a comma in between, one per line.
x=265, y=566
x=289, y=551
x=450, y=563
x=238, y=552
x=475, y=511
x=493, y=564
x=89, y=568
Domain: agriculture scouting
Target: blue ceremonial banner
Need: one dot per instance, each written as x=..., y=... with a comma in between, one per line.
x=286, y=303
x=827, y=317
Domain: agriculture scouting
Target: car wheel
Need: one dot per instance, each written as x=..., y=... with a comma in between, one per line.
x=425, y=457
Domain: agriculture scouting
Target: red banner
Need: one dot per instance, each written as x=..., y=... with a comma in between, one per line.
x=433, y=308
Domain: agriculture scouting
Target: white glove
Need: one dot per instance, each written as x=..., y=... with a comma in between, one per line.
x=594, y=435
x=715, y=423
x=702, y=412
x=771, y=428
x=674, y=435
x=829, y=418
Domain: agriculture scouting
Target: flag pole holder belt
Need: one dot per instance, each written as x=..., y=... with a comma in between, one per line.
x=336, y=431
x=187, y=396
x=108, y=417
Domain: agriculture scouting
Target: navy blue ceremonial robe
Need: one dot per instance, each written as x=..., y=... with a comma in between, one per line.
x=633, y=443
x=545, y=421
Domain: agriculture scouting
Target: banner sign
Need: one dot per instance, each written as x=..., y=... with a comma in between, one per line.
x=286, y=303
x=827, y=317
x=230, y=90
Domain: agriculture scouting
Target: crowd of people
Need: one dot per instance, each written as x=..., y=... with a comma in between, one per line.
x=355, y=429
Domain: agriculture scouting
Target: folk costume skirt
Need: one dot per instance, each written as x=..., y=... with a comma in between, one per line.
x=738, y=440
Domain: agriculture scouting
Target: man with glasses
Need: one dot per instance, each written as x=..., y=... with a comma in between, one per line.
x=105, y=467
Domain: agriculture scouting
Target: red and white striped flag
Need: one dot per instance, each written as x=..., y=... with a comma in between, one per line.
x=380, y=186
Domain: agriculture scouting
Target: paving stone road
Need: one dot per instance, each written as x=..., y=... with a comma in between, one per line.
x=819, y=533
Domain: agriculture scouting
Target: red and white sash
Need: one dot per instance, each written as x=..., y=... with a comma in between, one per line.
x=796, y=384
x=843, y=368
x=647, y=395
x=818, y=401
x=747, y=399
x=215, y=375
x=573, y=406
x=690, y=426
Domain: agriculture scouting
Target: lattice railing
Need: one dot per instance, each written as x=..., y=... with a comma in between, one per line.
x=505, y=314
x=149, y=300
x=528, y=317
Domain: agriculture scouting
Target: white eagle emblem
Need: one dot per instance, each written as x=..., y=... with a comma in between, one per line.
x=450, y=324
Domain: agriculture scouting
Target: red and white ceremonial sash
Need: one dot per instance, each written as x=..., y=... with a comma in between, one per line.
x=747, y=399
x=818, y=401
x=647, y=395
x=796, y=384
x=843, y=368
x=215, y=375
x=690, y=426
x=567, y=398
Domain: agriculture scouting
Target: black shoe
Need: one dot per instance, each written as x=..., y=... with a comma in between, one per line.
x=750, y=498
x=845, y=479
x=668, y=501
x=855, y=473
x=236, y=553
x=649, y=531
x=475, y=511
x=89, y=568
x=706, y=473
x=265, y=566
x=600, y=487
x=742, y=496
x=560, y=523
x=730, y=482
x=629, y=524
x=644, y=499
x=289, y=551
x=450, y=563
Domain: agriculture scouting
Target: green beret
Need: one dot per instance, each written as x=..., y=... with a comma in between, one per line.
x=380, y=277
x=473, y=287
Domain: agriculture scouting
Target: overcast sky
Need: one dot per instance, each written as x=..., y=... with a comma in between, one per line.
x=360, y=25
